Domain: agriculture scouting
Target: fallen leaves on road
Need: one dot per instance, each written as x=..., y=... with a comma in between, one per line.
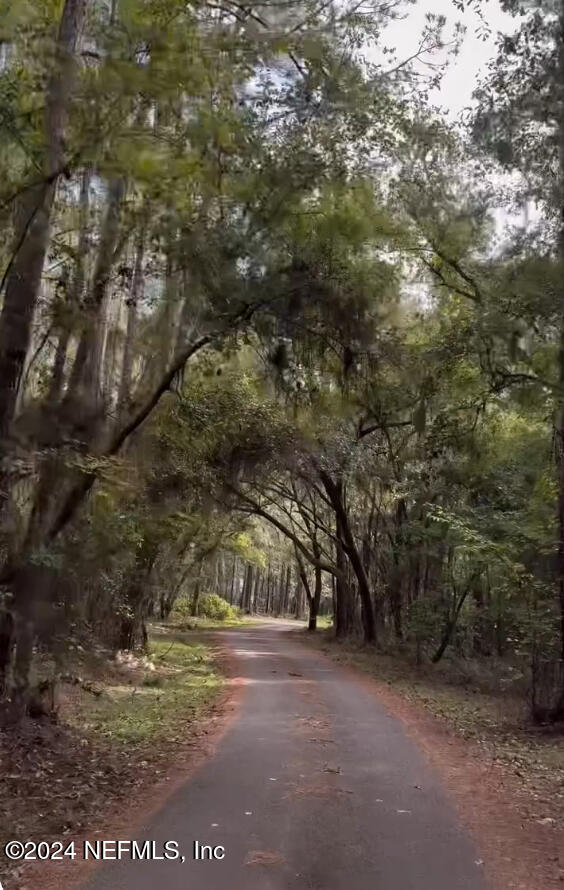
x=263, y=857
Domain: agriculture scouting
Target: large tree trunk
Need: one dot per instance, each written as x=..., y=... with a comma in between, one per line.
x=558, y=711
x=335, y=492
x=32, y=220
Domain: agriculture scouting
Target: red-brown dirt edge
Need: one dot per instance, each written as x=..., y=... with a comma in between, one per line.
x=517, y=853
x=127, y=820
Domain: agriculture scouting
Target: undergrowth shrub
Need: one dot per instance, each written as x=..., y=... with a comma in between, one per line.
x=210, y=606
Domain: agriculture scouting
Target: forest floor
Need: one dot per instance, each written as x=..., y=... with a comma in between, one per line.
x=475, y=704
x=124, y=726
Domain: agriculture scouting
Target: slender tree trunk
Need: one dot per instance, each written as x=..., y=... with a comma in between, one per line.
x=256, y=592
x=314, y=610
x=335, y=493
x=451, y=623
x=24, y=638
x=342, y=592
x=558, y=710
x=74, y=298
x=269, y=590
x=313, y=600
x=86, y=379
x=6, y=645
x=27, y=586
x=233, y=576
x=396, y=587
x=286, y=598
x=248, y=593
x=396, y=601
x=196, y=594
x=125, y=391
x=137, y=598
x=243, y=587
x=33, y=217
x=298, y=605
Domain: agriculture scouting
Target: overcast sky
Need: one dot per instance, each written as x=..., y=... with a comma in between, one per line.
x=463, y=72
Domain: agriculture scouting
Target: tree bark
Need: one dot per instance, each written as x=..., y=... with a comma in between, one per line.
x=137, y=598
x=396, y=587
x=196, y=596
x=335, y=493
x=75, y=297
x=342, y=592
x=268, y=607
x=248, y=592
x=286, y=597
x=233, y=576
x=32, y=220
x=316, y=600
x=451, y=623
x=256, y=591
x=299, y=594
x=558, y=710
x=24, y=638
x=6, y=645
x=85, y=379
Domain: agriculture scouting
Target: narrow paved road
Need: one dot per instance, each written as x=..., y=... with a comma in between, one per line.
x=313, y=787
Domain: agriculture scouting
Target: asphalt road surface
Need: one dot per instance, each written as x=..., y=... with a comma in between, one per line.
x=314, y=786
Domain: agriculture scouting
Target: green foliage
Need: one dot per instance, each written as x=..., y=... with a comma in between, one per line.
x=210, y=606
x=368, y=371
x=214, y=607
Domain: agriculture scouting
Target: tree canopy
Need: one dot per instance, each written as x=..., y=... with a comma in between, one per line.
x=262, y=336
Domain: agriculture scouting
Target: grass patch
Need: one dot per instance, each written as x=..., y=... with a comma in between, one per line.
x=188, y=624
x=123, y=723
x=154, y=696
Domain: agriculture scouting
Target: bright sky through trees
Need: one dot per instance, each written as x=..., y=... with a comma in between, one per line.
x=475, y=53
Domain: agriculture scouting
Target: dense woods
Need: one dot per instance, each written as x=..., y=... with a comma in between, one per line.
x=263, y=334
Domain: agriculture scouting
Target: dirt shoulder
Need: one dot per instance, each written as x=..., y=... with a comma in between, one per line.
x=129, y=733
x=506, y=779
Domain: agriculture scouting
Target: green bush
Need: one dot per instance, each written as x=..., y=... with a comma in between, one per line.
x=215, y=607
x=210, y=606
x=182, y=608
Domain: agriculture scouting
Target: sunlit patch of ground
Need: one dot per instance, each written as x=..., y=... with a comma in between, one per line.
x=122, y=723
